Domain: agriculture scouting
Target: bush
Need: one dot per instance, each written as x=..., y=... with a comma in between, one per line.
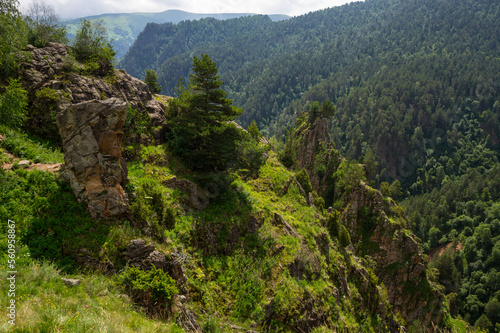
x=42, y=115
x=303, y=178
x=151, y=206
x=153, y=289
x=251, y=155
x=332, y=223
x=344, y=237
x=91, y=47
x=318, y=201
x=43, y=25
x=151, y=81
x=13, y=105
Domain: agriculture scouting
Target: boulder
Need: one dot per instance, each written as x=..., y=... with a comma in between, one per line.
x=71, y=282
x=91, y=135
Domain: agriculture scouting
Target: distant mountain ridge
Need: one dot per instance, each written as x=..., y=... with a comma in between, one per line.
x=123, y=28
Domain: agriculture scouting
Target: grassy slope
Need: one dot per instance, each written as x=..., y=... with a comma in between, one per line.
x=233, y=271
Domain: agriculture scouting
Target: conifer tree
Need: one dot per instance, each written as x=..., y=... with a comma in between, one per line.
x=201, y=130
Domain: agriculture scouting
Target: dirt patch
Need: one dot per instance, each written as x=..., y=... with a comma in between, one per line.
x=440, y=250
x=55, y=167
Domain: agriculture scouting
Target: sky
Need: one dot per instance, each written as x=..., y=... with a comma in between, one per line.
x=81, y=8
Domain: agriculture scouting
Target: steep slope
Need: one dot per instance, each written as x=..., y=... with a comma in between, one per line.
x=229, y=250
x=377, y=225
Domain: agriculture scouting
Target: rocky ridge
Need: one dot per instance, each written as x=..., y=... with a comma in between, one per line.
x=90, y=113
x=317, y=155
x=377, y=230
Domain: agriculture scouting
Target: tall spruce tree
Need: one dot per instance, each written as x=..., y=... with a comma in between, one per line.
x=201, y=131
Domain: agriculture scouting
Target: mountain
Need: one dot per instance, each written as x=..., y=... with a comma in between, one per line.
x=390, y=67
x=134, y=226
x=415, y=85
x=123, y=28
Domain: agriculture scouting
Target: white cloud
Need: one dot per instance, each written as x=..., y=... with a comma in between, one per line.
x=81, y=8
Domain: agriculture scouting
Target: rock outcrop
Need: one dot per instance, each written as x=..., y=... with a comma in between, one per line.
x=145, y=256
x=91, y=134
x=90, y=113
x=51, y=67
x=317, y=155
x=377, y=230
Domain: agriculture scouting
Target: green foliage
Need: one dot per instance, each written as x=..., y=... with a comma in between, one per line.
x=91, y=47
x=333, y=223
x=492, y=311
x=483, y=323
x=138, y=127
x=318, y=201
x=26, y=147
x=210, y=326
x=385, y=189
x=200, y=128
x=326, y=110
x=42, y=114
x=303, y=178
x=251, y=155
x=253, y=130
x=43, y=25
x=288, y=156
x=49, y=220
x=395, y=189
x=12, y=37
x=152, y=207
x=348, y=177
x=13, y=105
x=344, y=237
x=313, y=112
x=151, y=79
x=154, y=288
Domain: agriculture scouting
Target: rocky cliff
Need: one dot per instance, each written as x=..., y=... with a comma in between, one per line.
x=87, y=113
x=317, y=155
x=377, y=229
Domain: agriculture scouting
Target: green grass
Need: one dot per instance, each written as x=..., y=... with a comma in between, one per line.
x=26, y=147
x=45, y=304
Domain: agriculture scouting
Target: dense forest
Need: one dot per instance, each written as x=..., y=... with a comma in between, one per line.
x=416, y=88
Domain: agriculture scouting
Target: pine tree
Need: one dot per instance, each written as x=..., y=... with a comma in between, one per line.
x=201, y=130
x=151, y=80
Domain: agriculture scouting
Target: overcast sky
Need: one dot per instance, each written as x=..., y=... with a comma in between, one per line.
x=82, y=8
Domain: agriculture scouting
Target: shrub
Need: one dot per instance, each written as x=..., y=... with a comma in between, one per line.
x=332, y=223
x=91, y=47
x=13, y=105
x=43, y=25
x=153, y=289
x=344, y=237
x=151, y=206
x=151, y=81
x=318, y=201
x=251, y=155
x=42, y=115
x=303, y=178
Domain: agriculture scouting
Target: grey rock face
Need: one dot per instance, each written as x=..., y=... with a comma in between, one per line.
x=92, y=140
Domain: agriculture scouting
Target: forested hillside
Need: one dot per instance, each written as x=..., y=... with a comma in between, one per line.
x=123, y=28
x=416, y=88
x=423, y=63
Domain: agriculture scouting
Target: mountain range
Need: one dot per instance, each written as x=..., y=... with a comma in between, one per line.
x=123, y=28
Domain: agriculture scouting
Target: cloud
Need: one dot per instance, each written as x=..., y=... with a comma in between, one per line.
x=82, y=8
